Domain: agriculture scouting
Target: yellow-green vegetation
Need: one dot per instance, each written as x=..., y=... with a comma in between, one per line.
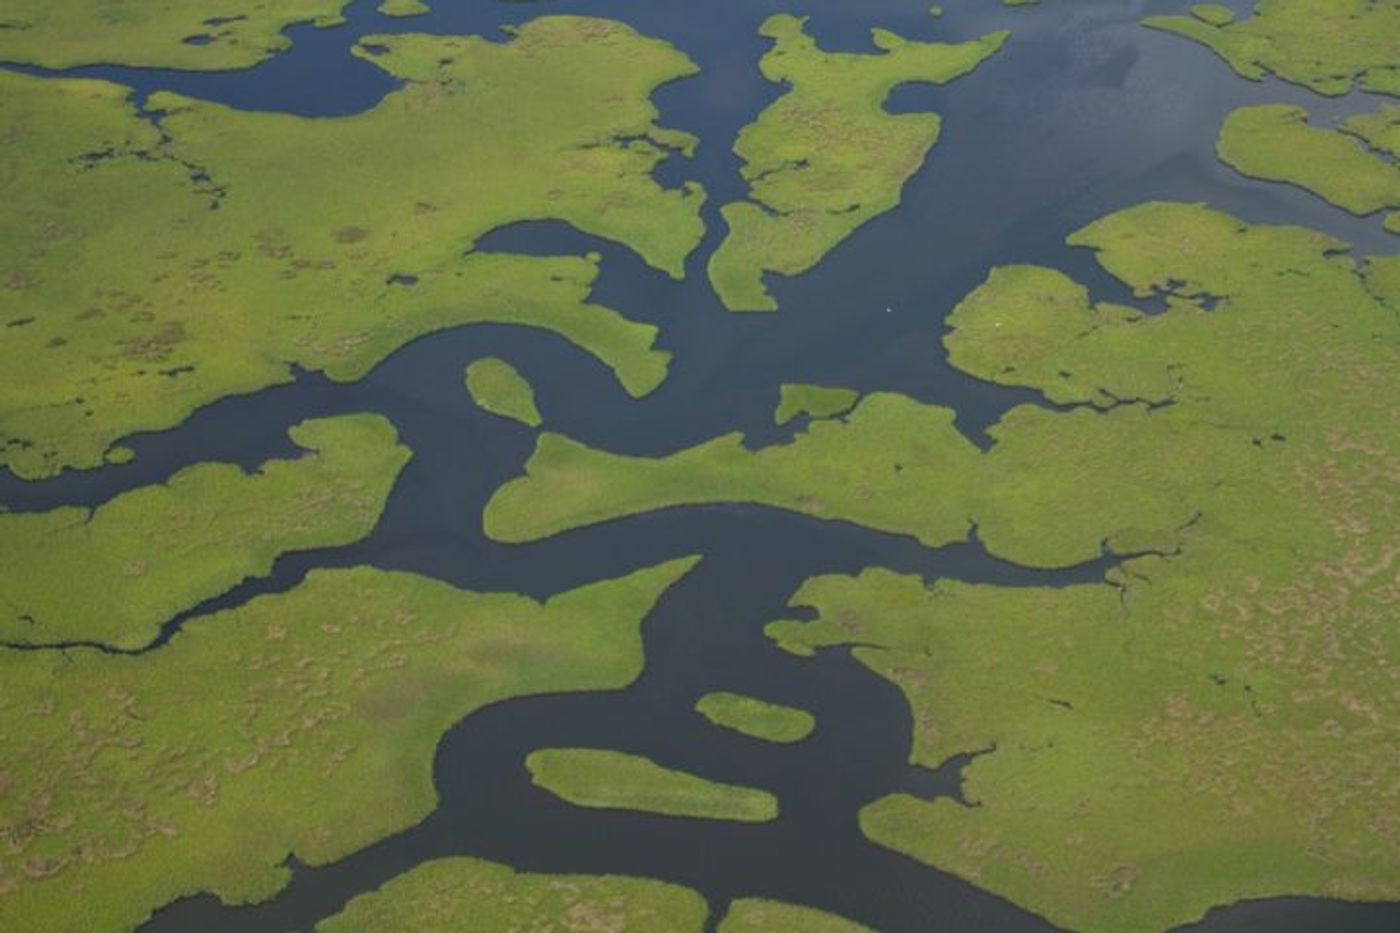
x=483, y=897
x=226, y=34
x=901, y=466
x=1239, y=681
x=813, y=401
x=403, y=7
x=1215, y=14
x=496, y=387
x=1379, y=130
x=838, y=469
x=301, y=723
x=1274, y=142
x=150, y=270
x=760, y=719
x=1329, y=46
x=112, y=575
x=612, y=780
x=753, y=915
x=894, y=464
x=1383, y=275
x=826, y=157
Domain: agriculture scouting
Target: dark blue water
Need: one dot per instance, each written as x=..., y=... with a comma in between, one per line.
x=1083, y=113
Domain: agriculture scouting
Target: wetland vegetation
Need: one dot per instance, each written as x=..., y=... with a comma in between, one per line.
x=215, y=35
x=1328, y=46
x=1352, y=167
x=1212, y=413
x=250, y=269
x=437, y=895
x=753, y=915
x=814, y=402
x=1218, y=674
x=113, y=575
x=826, y=157
x=300, y=722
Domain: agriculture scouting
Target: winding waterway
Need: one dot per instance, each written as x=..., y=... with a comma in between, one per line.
x=1083, y=113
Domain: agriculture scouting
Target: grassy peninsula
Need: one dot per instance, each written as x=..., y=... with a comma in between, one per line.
x=112, y=575
x=299, y=723
x=826, y=157
x=596, y=777
x=1240, y=448
x=251, y=259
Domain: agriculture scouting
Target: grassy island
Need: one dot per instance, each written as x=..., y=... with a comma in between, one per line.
x=771, y=722
x=1328, y=46
x=497, y=387
x=299, y=723
x=150, y=270
x=826, y=157
x=212, y=35
x=1352, y=167
x=466, y=893
x=112, y=575
x=403, y=8
x=596, y=777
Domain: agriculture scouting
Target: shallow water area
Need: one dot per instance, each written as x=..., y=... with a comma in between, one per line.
x=1083, y=113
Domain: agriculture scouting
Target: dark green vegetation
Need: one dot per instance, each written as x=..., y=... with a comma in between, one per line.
x=106, y=334
x=1329, y=46
x=1234, y=674
x=114, y=574
x=153, y=33
x=602, y=778
x=496, y=387
x=472, y=895
x=752, y=915
x=1352, y=167
x=826, y=157
x=302, y=723
x=814, y=402
x=760, y=719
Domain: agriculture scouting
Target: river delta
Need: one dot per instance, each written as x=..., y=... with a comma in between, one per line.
x=401, y=531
